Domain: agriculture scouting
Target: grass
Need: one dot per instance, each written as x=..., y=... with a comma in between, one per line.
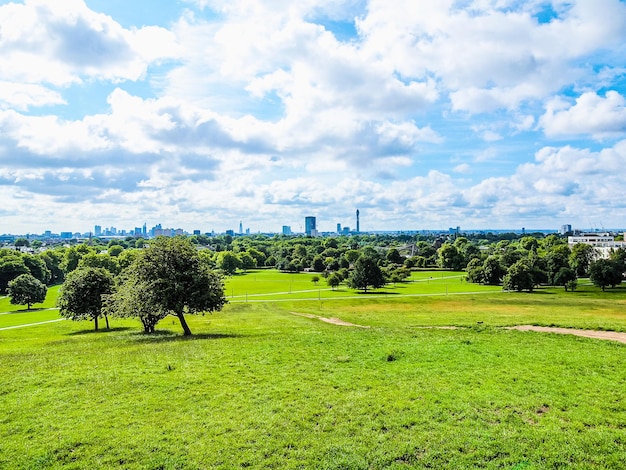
x=257, y=387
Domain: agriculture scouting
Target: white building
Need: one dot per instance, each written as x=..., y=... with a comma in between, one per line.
x=602, y=242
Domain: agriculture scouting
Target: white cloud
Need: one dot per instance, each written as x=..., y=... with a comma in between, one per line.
x=61, y=43
x=22, y=96
x=591, y=114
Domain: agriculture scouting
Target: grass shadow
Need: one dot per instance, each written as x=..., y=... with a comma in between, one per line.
x=376, y=292
x=164, y=336
x=99, y=331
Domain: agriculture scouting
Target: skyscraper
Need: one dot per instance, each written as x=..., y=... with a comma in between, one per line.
x=310, y=226
x=358, y=227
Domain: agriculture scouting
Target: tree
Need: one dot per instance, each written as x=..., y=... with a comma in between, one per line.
x=450, y=258
x=21, y=242
x=100, y=260
x=581, y=257
x=492, y=271
x=26, y=289
x=11, y=266
x=366, y=274
x=228, y=262
x=604, y=273
x=135, y=299
x=115, y=250
x=170, y=278
x=247, y=261
x=318, y=264
x=37, y=267
x=333, y=280
x=315, y=279
x=518, y=277
x=82, y=295
x=394, y=256
x=564, y=278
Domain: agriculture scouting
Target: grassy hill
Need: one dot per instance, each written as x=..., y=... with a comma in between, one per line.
x=259, y=387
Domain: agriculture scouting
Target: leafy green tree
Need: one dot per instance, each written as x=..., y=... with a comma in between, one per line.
x=564, y=277
x=100, y=260
x=53, y=259
x=581, y=257
x=315, y=279
x=22, y=242
x=37, y=267
x=333, y=280
x=394, y=256
x=318, y=264
x=82, y=294
x=228, y=262
x=137, y=300
x=11, y=266
x=352, y=256
x=604, y=273
x=247, y=261
x=258, y=256
x=26, y=289
x=556, y=258
x=518, y=277
x=366, y=273
x=493, y=271
x=450, y=258
x=175, y=280
x=529, y=243
x=475, y=272
x=115, y=250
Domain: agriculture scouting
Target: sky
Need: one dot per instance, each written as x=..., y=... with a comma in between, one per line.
x=199, y=114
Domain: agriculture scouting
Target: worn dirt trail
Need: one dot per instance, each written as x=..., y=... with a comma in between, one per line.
x=333, y=321
x=606, y=335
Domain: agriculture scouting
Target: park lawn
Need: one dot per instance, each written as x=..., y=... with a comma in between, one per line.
x=258, y=387
x=272, y=285
x=50, y=302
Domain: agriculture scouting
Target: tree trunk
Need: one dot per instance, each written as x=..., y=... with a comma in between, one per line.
x=106, y=317
x=183, y=323
x=95, y=319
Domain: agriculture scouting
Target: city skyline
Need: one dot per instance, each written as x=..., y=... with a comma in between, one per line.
x=422, y=114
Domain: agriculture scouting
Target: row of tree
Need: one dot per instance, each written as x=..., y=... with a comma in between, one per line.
x=168, y=277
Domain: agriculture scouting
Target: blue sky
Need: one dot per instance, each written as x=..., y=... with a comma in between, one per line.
x=201, y=113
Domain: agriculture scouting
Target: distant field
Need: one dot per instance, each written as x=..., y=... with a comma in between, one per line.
x=259, y=387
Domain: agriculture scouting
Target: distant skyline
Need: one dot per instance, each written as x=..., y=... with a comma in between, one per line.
x=200, y=114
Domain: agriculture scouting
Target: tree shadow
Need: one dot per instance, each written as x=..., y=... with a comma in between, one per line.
x=99, y=331
x=377, y=292
x=28, y=310
x=165, y=336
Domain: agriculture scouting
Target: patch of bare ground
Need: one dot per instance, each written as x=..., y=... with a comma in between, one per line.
x=333, y=321
x=606, y=335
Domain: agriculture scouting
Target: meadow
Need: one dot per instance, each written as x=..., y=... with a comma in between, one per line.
x=259, y=387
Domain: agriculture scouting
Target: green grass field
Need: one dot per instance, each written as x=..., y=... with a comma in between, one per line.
x=258, y=387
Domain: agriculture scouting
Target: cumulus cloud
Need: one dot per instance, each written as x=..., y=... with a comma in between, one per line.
x=594, y=115
x=46, y=44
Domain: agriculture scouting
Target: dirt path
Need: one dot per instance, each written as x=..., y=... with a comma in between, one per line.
x=333, y=321
x=607, y=335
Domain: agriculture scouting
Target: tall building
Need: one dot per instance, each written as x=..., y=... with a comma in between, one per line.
x=97, y=230
x=286, y=230
x=338, y=228
x=240, y=227
x=358, y=225
x=310, y=226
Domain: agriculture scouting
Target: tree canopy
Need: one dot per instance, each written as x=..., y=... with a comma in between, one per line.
x=366, y=274
x=168, y=278
x=82, y=295
x=27, y=290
